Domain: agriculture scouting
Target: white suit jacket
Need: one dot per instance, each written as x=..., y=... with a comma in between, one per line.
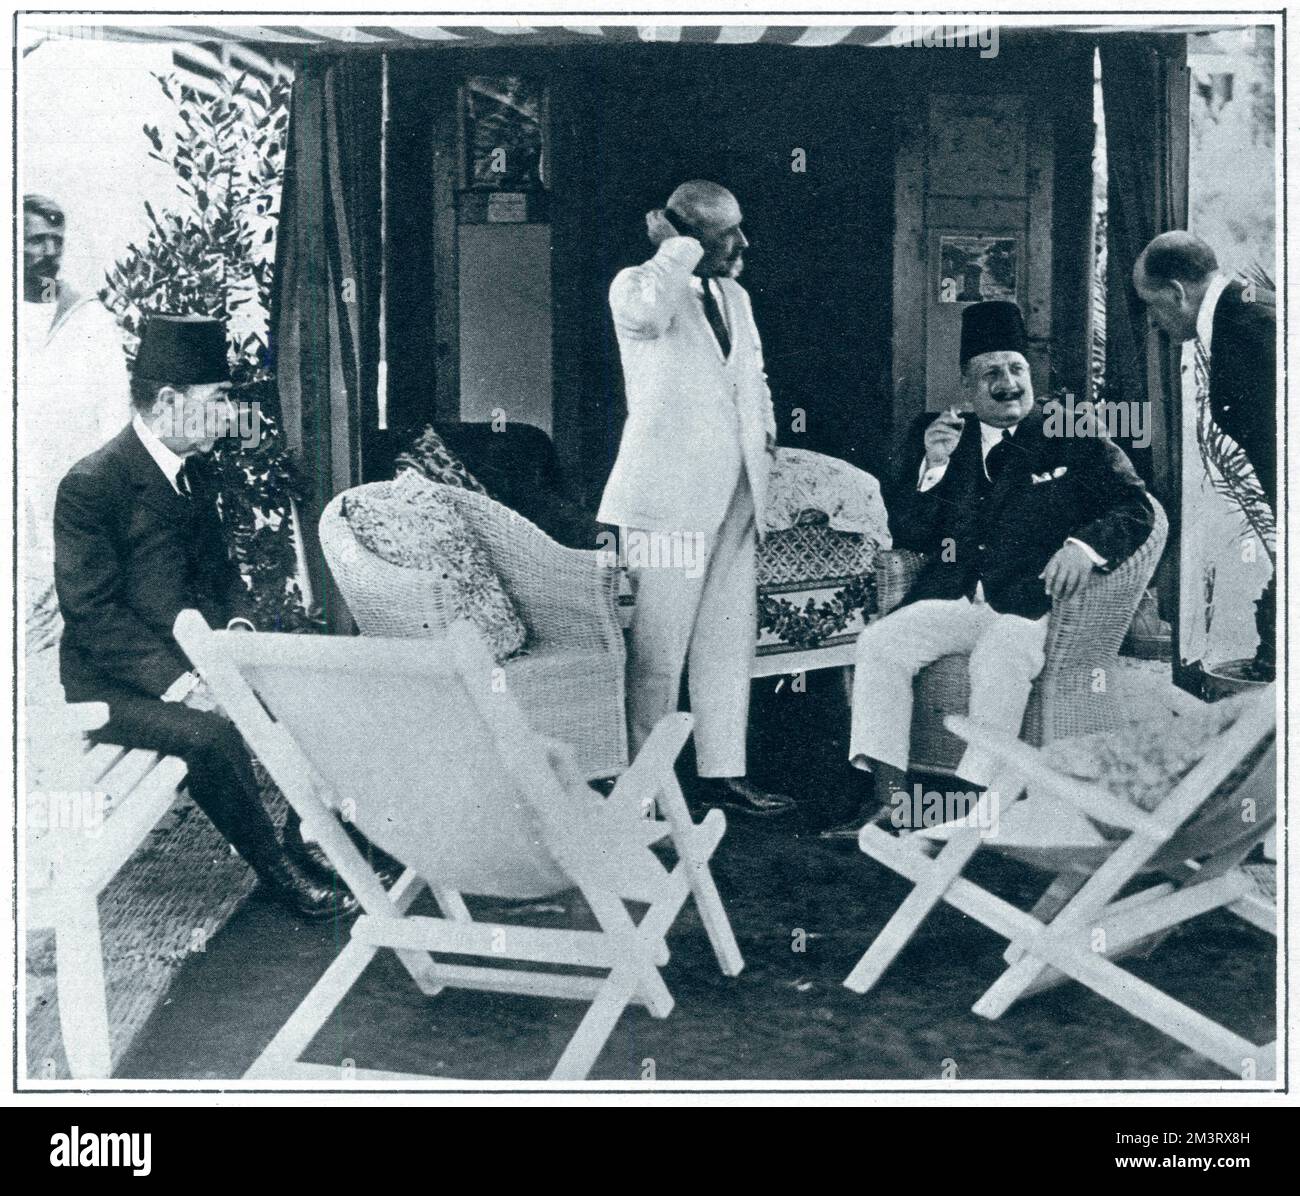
x=694, y=420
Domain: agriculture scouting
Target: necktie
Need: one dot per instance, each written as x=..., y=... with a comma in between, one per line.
x=996, y=461
x=714, y=315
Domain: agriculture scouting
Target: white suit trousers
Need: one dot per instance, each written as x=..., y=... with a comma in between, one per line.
x=1006, y=654
x=703, y=617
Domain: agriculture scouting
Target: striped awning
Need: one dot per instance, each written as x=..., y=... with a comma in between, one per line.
x=386, y=36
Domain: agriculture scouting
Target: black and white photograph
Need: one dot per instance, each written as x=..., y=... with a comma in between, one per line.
x=670, y=557
x=974, y=269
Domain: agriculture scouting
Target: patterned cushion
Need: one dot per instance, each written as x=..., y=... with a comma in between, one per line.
x=409, y=523
x=803, y=481
x=1143, y=761
x=430, y=457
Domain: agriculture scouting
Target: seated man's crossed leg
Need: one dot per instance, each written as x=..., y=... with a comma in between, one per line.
x=1006, y=654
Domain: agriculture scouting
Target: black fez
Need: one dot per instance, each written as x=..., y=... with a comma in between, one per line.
x=182, y=350
x=994, y=326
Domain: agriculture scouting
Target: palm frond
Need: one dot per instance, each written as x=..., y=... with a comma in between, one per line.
x=1227, y=466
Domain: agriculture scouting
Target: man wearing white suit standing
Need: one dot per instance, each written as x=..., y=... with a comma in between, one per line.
x=688, y=488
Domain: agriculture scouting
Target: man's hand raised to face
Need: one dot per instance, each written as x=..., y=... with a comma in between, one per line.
x=941, y=438
x=1067, y=572
x=659, y=226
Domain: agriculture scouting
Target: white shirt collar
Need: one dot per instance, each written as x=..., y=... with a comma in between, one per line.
x=167, y=461
x=1205, y=313
x=697, y=285
x=719, y=295
x=989, y=436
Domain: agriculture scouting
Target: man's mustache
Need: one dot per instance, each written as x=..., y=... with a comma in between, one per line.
x=45, y=267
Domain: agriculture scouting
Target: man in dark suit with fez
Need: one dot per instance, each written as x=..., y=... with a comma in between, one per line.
x=137, y=539
x=1228, y=331
x=1011, y=517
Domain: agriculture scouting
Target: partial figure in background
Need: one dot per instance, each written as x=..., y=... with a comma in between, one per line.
x=73, y=396
x=1228, y=331
x=689, y=487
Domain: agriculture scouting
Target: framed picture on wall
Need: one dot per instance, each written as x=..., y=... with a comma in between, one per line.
x=973, y=268
x=505, y=137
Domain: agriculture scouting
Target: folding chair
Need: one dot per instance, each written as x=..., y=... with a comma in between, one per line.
x=422, y=747
x=1192, y=846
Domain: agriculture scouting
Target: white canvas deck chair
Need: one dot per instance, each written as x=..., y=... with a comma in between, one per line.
x=1188, y=854
x=419, y=744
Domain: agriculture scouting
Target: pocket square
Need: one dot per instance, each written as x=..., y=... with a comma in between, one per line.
x=1050, y=475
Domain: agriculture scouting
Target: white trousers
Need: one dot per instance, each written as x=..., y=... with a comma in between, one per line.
x=701, y=612
x=1006, y=654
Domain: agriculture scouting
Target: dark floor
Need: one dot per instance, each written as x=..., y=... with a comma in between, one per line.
x=786, y=1017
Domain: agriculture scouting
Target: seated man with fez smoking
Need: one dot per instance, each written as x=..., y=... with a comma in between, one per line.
x=1011, y=518
x=137, y=539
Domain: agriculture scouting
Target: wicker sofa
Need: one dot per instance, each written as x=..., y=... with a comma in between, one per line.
x=570, y=679
x=1075, y=692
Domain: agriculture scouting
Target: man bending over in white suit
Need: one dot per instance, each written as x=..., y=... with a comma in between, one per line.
x=688, y=487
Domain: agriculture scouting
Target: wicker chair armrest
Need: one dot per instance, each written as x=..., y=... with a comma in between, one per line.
x=384, y=599
x=896, y=572
x=1087, y=630
x=567, y=597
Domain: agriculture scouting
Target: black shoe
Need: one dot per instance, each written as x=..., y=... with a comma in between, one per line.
x=851, y=827
x=381, y=863
x=845, y=831
x=309, y=857
x=291, y=886
x=736, y=793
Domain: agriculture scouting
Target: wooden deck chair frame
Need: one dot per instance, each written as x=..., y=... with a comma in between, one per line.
x=630, y=953
x=1081, y=926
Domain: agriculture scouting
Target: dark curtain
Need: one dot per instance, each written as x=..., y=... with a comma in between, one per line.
x=325, y=311
x=1074, y=137
x=1144, y=82
x=421, y=95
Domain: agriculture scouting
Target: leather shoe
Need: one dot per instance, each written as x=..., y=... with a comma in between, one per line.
x=308, y=898
x=381, y=863
x=309, y=857
x=738, y=794
x=849, y=828
x=846, y=831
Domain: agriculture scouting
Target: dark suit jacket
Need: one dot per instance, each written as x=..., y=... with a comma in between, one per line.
x=1243, y=378
x=1004, y=533
x=129, y=555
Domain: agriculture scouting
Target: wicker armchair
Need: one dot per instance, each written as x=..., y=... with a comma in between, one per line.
x=569, y=680
x=1083, y=636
